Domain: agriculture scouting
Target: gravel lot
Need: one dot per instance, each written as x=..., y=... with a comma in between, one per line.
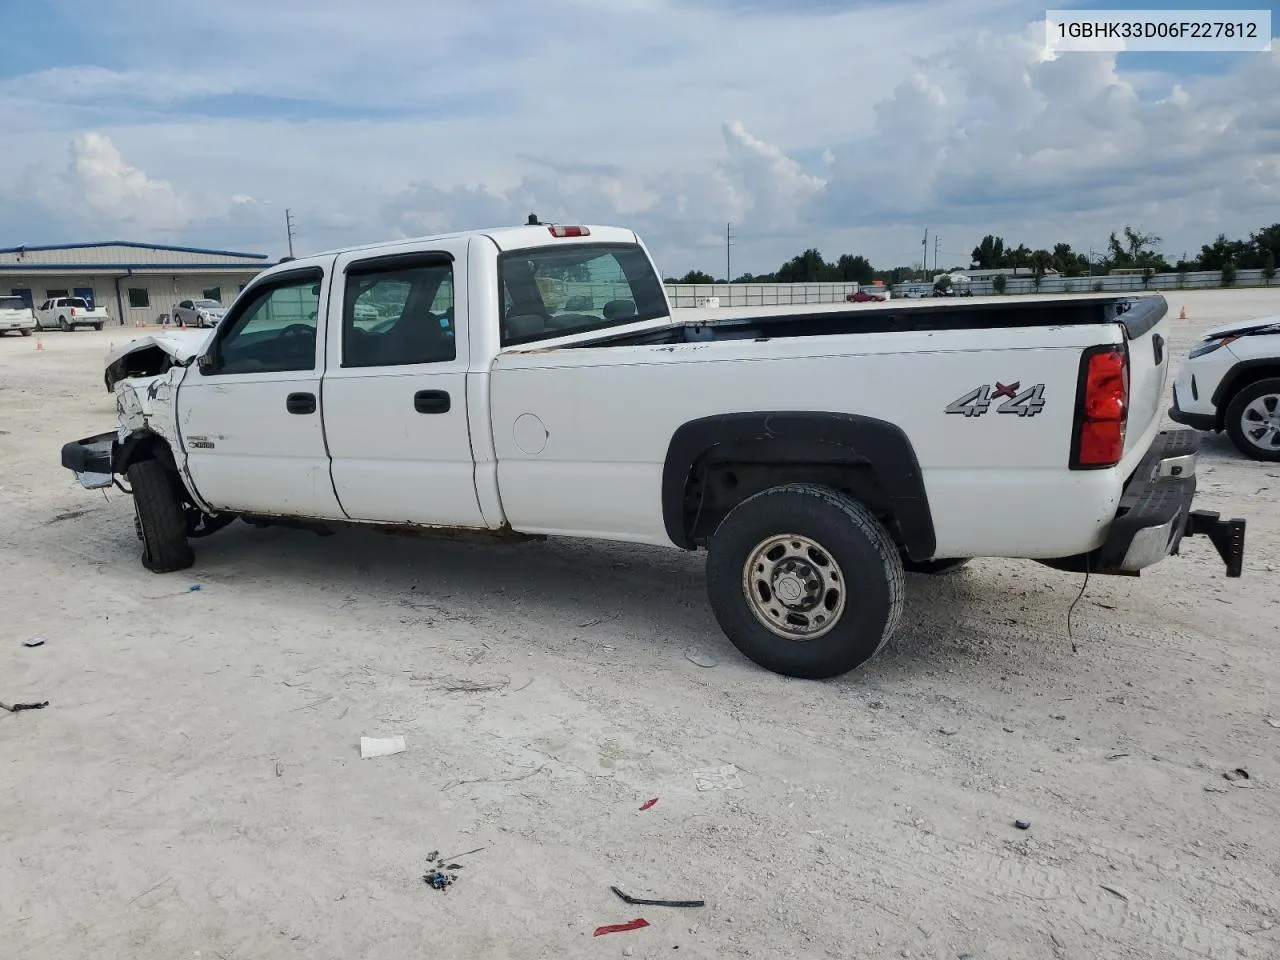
x=195, y=787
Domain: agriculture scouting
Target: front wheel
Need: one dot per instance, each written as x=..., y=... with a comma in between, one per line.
x=1253, y=420
x=160, y=518
x=805, y=581
x=25, y=332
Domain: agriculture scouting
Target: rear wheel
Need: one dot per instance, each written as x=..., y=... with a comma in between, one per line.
x=25, y=331
x=805, y=581
x=160, y=518
x=63, y=325
x=97, y=326
x=1253, y=420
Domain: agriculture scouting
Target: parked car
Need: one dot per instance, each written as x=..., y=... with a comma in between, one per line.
x=1230, y=382
x=198, y=313
x=67, y=313
x=815, y=455
x=863, y=297
x=16, y=316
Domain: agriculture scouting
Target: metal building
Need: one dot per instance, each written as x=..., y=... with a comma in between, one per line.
x=136, y=282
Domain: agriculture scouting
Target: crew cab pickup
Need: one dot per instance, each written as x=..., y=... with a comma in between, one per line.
x=67, y=313
x=444, y=383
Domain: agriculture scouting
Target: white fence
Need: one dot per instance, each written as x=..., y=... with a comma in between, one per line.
x=1201, y=280
x=785, y=294
x=758, y=294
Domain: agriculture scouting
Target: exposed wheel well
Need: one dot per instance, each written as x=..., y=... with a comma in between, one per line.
x=144, y=446
x=715, y=463
x=1237, y=380
x=717, y=485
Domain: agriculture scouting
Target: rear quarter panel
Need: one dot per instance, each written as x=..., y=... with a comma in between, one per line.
x=998, y=485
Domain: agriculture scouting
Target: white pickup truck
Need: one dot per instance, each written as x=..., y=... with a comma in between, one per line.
x=67, y=313
x=816, y=454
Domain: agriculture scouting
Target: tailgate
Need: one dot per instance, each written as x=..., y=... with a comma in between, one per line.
x=1146, y=325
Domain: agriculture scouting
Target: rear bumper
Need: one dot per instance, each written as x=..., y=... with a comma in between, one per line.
x=91, y=460
x=1155, y=514
x=1196, y=421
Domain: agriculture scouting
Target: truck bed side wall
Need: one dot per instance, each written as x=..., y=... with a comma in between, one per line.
x=996, y=484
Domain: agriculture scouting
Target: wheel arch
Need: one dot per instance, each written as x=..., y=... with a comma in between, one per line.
x=143, y=446
x=1241, y=375
x=863, y=452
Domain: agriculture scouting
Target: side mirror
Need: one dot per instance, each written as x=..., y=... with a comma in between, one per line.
x=205, y=362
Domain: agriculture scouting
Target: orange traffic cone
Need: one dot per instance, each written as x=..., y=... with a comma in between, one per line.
x=1182, y=314
x=39, y=344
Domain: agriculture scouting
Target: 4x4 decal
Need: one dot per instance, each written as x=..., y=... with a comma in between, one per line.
x=1025, y=403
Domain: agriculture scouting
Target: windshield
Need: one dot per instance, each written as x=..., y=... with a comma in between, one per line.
x=558, y=290
x=207, y=303
x=12, y=303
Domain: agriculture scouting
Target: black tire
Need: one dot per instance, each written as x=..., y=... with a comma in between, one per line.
x=98, y=327
x=867, y=564
x=161, y=517
x=934, y=567
x=1264, y=393
x=25, y=332
x=63, y=325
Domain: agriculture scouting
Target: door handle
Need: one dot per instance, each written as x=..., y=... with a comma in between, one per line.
x=1157, y=343
x=300, y=403
x=431, y=401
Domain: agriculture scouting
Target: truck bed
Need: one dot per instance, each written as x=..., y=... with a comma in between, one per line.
x=1137, y=314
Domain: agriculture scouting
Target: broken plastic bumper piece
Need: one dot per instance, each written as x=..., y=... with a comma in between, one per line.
x=91, y=460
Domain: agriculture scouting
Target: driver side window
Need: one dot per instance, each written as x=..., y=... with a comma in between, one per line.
x=275, y=332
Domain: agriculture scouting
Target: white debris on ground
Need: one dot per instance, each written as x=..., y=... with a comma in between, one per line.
x=145, y=812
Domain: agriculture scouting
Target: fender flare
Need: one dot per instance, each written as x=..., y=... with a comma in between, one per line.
x=804, y=437
x=1238, y=373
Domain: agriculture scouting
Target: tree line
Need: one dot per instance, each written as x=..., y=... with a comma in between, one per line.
x=1129, y=249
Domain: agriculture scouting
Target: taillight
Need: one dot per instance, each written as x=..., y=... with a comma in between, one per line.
x=73, y=311
x=569, y=231
x=1102, y=409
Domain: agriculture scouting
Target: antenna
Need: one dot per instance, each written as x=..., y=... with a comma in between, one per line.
x=288, y=225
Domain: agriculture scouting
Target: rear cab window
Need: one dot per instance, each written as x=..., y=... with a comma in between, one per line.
x=554, y=291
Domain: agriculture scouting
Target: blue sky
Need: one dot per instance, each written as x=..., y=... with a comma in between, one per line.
x=849, y=126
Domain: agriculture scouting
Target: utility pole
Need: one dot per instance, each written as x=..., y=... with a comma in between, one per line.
x=936, y=241
x=728, y=263
x=288, y=225
x=924, y=267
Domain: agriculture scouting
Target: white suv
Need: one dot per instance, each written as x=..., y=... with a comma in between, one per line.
x=1231, y=381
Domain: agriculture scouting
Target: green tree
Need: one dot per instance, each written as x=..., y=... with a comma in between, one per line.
x=809, y=267
x=856, y=269
x=1138, y=249
x=1018, y=257
x=1229, y=273
x=942, y=285
x=999, y=283
x=1269, y=267
x=1216, y=255
x=989, y=254
x=1265, y=241
x=1069, y=263
x=696, y=276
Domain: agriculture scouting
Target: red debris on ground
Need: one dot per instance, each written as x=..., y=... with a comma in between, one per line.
x=648, y=803
x=621, y=927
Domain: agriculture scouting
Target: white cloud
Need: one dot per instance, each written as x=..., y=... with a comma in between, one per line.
x=802, y=128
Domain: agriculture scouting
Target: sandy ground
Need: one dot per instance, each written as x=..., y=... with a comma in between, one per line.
x=195, y=789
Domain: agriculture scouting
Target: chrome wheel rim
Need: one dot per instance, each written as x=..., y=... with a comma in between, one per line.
x=794, y=587
x=1260, y=422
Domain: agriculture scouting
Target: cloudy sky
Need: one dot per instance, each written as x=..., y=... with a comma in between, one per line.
x=849, y=125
